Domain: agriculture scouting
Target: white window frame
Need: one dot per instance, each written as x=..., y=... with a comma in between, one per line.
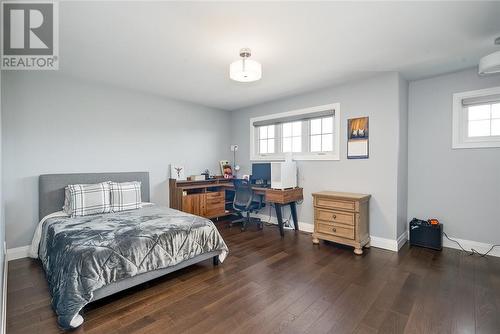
x=460, y=139
x=279, y=156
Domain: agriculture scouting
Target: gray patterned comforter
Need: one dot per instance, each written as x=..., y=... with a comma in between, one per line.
x=82, y=254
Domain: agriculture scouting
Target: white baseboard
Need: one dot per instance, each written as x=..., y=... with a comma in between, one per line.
x=389, y=244
x=304, y=227
x=17, y=253
x=402, y=239
x=469, y=244
x=309, y=228
x=481, y=247
x=384, y=243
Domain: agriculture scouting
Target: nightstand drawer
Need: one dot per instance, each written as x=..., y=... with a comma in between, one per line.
x=334, y=204
x=338, y=230
x=334, y=216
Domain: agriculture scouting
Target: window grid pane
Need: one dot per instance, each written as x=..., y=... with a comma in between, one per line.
x=479, y=128
x=287, y=129
x=495, y=110
x=270, y=131
x=263, y=132
x=316, y=143
x=316, y=126
x=326, y=143
x=291, y=137
x=296, y=144
x=480, y=112
x=321, y=134
x=483, y=120
x=296, y=129
x=327, y=125
x=495, y=127
x=270, y=146
x=287, y=144
x=263, y=146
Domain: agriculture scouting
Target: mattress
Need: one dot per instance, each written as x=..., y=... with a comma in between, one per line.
x=83, y=255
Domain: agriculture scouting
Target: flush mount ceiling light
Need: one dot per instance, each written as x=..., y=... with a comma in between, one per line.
x=244, y=69
x=491, y=63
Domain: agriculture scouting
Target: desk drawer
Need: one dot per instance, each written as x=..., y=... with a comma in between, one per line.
x=214, y=207
x=214, y=202
x=215, y=194
x=214, y=212
x=334, y=203
x=333, y=216
x=337, y=230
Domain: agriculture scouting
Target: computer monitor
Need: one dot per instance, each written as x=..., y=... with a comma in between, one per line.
x=261, y=173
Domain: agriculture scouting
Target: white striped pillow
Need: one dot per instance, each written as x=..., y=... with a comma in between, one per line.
x=125, y=196
x=87, y=199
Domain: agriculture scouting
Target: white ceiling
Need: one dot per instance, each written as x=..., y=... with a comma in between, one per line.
x=183, y=50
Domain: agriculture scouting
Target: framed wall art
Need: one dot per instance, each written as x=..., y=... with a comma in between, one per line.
x=358, y=138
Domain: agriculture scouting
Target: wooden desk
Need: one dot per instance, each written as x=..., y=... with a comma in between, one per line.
x=207, y=199
x=201, y=198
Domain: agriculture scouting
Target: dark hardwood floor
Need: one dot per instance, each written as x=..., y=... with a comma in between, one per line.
x=273, y=285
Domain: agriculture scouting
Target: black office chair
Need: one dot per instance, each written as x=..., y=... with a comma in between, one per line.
x=245, y=202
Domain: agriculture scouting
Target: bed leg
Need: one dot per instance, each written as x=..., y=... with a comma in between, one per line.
x=216, y=260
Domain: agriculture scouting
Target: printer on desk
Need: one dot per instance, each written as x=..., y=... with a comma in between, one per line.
x=283, y=175
x=279, y=175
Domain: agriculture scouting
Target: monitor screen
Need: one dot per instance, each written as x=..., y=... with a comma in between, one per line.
x=261, y=171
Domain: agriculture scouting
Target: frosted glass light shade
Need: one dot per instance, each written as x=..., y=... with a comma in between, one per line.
x=490, y=64
x=245, y=70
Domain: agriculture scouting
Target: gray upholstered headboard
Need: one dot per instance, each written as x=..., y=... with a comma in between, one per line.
x=51, y=187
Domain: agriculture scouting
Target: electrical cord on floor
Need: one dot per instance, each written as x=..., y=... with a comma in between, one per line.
x=472, y=250
x=286, y=222
x=268, y=223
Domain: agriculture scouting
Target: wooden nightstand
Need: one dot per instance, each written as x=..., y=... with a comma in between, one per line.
x=342, y=218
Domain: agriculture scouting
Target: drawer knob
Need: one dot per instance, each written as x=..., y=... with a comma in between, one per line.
x=334, y=229
x=334, y=216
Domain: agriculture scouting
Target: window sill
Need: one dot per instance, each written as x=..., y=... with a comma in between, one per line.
x=476, y=144
x=312, y=157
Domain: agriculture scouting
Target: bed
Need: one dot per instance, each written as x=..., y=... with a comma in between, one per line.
x=88, y=258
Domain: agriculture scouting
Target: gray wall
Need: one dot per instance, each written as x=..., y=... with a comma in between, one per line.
x=403, y=158
x=459, y=187
x=57, y=124
x=377, y=97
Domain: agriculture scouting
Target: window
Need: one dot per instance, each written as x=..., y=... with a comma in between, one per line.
x=321, y=134
x=266, y=139
x=476, y=118
x=483, y=120
x=306, y=134
x=292, y=137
